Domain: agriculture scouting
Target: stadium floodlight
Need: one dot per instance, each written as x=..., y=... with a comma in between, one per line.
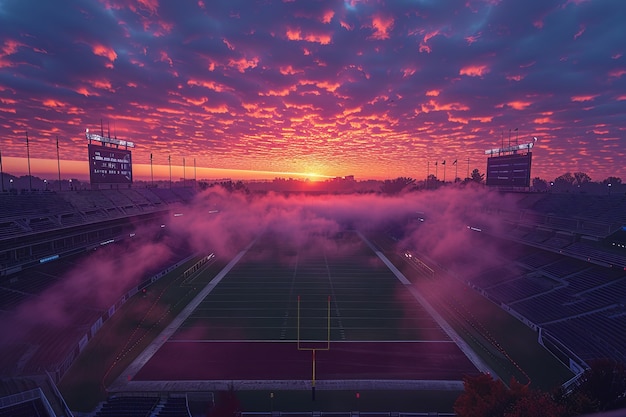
x=104, y=139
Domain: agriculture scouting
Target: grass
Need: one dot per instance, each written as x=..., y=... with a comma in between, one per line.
x=509, y=347
x=125, y=335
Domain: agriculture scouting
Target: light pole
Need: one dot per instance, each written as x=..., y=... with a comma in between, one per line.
x=1, y=172
x=58, y=163
x=151, y=174
x=30, y=178
x=444, y=171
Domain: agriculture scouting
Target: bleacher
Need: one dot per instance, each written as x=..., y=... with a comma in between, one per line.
x=571, y=282
x=32, y=408
x=564, y=267
x=174, y=407
x=539, y=259
x=495, y=276
x=151, y=197
x=41, y=214
x=32, y=396
x=35, y=212
x=128, y=406
x=521, y=288
x=167, y=195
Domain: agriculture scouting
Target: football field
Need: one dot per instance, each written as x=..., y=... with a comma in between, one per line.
x=325, y=311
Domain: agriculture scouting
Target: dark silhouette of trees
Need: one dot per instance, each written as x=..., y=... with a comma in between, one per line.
x=566, y=180
x=397, y=185
x=539, y=184
x=612, y=181
x=484, y=396
x=581, y=178
x=232, y=187
x=226, y=404
x=602, y=387
x=477, y=176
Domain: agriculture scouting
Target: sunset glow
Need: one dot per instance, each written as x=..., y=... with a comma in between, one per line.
x=315, y=90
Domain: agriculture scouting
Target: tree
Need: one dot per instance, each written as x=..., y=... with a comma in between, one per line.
x=612, y=181
x=484, y=396
x=396, y=186
x=566, y=179
x=537, y=404
x=539, y=184
x=232, y=187
x=477, y=176
x=604, y=383
x=226, y=404
x=581, y=178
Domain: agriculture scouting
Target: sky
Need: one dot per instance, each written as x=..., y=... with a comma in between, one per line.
x=374, y=89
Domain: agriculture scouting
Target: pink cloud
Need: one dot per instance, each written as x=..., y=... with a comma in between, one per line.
x=474, y=70
x=382, y=25
x=519, y=105
x=584, y=98
x=104, y=51
x=581, y=30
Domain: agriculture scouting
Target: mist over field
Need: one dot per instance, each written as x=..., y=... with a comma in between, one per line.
x=224, y=223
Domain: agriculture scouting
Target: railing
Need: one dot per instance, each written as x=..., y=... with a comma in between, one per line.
x=340, y=414
x=26, y=396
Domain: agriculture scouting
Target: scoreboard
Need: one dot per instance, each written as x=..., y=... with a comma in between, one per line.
x=509, y=170
x=108, y=165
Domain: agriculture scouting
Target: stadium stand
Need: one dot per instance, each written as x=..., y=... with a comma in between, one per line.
x=576, y=291
x=33, y=396
x=128, y=406
x=42, y=237
x=174, y=407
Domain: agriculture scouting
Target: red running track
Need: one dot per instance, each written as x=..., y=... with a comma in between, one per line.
x=215, y=360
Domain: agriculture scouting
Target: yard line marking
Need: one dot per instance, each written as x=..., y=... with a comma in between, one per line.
x=342, y=330
x=294, y=341
x=283, y=331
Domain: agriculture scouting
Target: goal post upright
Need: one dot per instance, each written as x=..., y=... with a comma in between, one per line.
x=328, y=326
x=313, y=349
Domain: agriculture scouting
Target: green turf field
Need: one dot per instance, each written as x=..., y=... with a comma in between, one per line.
x=258, y=300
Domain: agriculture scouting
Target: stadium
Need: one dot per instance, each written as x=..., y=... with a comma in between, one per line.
x=165, y=300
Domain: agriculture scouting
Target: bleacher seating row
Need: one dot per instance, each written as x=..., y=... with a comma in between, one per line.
x=130, y=406
x=580, y=303
x=44, y=211
x=26, y=409
x=143, y=406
